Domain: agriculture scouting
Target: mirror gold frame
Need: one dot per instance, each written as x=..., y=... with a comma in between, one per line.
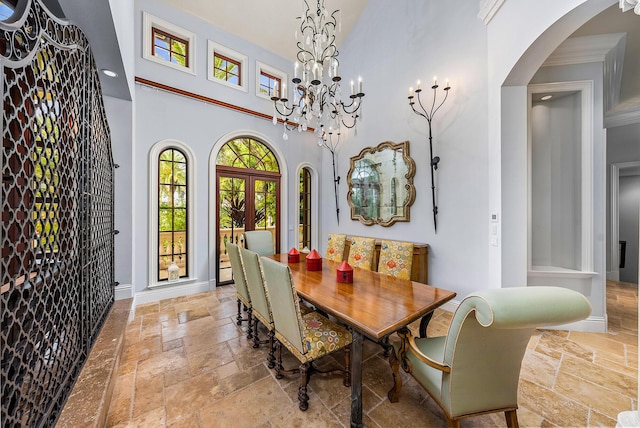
x=380, y=181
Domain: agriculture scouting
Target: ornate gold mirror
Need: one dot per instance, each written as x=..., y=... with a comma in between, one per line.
x=380, y=184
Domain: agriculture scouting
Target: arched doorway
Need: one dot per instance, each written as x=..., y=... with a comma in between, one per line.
x=247, y=196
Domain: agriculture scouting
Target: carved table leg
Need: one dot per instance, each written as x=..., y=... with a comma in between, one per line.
x=356, y=379
x=394, y=393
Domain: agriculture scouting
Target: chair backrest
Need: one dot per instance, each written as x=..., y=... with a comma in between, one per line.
x=396, y=259
x=335, y=247
x=488, y=338
x=283, y=300
x=239, y=277
x=361, y=252
x=255, y=284
x=260, y=241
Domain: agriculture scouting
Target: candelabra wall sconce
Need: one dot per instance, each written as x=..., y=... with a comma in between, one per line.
x=330, y=141
x=428, y=115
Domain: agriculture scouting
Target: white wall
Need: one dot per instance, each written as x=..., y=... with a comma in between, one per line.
x=629, y=218
x=161, y=115
x=623, y=146
x=392, y=47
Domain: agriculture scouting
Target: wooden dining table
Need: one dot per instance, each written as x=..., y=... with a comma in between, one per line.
x=373, y=305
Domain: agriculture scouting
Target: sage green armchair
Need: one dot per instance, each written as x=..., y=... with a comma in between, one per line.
x=475, y=368
x=260, y=241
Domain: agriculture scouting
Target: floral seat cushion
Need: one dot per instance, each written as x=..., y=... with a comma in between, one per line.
x=320, y=337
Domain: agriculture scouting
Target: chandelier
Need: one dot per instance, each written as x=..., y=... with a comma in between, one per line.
x=318, y=100
x=626, y=5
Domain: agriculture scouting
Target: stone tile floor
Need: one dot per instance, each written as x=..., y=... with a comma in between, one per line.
x=187, y=364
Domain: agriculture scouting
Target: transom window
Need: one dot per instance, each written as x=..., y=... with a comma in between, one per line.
x=247, y=153
x=270, y=85
x=170, y=48
x=226, y=69
x=172, y=213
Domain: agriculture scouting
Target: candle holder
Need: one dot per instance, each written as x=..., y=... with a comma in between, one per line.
x=330, y=140
x=428, y=115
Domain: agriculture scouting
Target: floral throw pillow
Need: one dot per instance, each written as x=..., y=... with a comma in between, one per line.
x=396, y=259
x=335, y=247
x=361, y=252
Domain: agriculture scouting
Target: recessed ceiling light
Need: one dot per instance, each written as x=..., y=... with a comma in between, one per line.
x=109, y=73
x=546, y=97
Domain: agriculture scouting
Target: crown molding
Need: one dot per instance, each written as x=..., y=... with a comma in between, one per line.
x=488, y=10
x=579, y=50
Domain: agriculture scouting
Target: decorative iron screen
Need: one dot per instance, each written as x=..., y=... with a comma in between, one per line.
x=57, y=214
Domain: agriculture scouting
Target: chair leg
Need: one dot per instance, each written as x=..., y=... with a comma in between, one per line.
x=512, y=418
x=394, y=393
x=347, y=366
x=249, y=327
x=279, y=361
x=271, y=358
x=239, y=317
x=256, y=340
x=453, y=423
x=303, y=398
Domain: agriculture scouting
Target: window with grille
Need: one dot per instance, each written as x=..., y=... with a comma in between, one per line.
x=270, y=85
x=168, y=44
x=270, y=81
x=172, y=213
x=227, y=66
x=226, y=69
x=170, y=48
x=305, y=209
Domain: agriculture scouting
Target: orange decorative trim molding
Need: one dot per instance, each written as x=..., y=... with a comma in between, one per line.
x=213, y=101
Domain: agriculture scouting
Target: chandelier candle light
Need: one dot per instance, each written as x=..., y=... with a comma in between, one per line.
x=428, y=114
x=317, y=94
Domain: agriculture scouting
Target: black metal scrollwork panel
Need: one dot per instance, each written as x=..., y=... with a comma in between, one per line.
x=56, y=280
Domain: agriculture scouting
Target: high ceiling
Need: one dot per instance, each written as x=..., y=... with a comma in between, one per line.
x=269, y=24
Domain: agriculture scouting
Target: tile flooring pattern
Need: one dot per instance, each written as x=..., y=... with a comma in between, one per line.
x=187, y=364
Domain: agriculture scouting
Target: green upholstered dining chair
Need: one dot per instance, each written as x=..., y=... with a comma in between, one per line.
x=240, y=282
x=260, y=306
x=396, y=259
x=335, y=247
x=475, y=368
x=260, y=241
x=308, y=337
x=361, y=252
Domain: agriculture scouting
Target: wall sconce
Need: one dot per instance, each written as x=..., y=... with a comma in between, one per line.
x=428, y=114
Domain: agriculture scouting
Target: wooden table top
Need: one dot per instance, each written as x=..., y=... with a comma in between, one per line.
x=375, y=304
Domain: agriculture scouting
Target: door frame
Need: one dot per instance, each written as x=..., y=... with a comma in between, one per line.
x=211, y=183
x=250, y=176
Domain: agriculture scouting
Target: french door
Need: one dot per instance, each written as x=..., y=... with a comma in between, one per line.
x=246, y=200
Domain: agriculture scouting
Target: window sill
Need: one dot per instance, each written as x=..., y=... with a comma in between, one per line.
x=181, y=281
x=558, y=272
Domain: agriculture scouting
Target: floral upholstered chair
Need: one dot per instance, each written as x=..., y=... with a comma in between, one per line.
x=396, y=259
x=335, y=247
x=240, y=282
x=361, y=252
x=308, y=337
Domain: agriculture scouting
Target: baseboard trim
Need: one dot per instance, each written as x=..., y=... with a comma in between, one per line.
x=123, y=291
x=613, y=275
x=169, y=292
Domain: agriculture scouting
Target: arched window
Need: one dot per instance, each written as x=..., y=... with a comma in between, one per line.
x=172, y=213
x=305, y=209
x=171, y=210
